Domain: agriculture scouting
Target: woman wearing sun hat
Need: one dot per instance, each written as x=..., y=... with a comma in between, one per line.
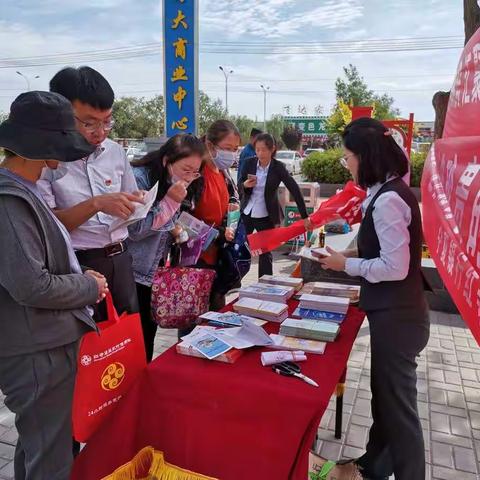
x=44, y=295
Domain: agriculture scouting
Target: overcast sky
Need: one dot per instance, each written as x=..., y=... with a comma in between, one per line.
x=34, y=28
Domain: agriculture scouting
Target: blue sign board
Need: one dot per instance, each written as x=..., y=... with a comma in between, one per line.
x=180, y=53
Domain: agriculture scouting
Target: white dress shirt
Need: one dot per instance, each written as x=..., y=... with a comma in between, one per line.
x=256, y=206
x=106, y=170
x=391, y=218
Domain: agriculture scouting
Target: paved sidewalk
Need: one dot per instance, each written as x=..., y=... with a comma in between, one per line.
x=449, y=399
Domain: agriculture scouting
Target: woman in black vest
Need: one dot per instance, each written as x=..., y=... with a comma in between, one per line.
x=388, y=261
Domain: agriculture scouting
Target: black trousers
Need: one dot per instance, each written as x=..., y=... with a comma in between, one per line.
x=38, y=389
x=119, y=274
x=265, y=261
x=149, y=327
x=395, y=444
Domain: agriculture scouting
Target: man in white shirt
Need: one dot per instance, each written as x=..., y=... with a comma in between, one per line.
x=89, y=194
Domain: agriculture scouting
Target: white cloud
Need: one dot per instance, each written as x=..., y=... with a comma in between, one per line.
x=55, y=26
x=268, y=19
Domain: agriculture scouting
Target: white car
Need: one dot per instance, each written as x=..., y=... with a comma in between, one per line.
x=135, y=152
x=308, y=151
x=291, y=159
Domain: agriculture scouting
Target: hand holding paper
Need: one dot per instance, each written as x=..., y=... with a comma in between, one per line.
x=141, y=209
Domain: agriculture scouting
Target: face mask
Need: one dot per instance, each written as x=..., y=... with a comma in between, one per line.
x=224, y=159
x=53, y=175
x=173, y=178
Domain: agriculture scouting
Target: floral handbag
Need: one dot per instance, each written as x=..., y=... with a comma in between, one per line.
x=180, y=295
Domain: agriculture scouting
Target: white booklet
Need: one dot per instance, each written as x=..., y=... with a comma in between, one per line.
x=202, y=340
x=141, y=210
x=246, y=336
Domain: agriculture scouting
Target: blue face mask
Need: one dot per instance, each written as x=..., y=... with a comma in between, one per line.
x=224, y=159
x=53, y=175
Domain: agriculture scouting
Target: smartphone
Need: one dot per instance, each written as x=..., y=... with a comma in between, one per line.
x=252, y=177
x=320, y=252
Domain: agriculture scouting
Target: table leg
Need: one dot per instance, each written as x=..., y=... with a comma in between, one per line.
x=340, y=390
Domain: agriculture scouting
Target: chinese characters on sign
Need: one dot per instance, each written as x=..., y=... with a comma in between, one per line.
x=451, y=191
x=310, y=126
x=180, y=65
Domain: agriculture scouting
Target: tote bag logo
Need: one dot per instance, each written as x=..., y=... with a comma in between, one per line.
x=113, y=376
x=86, y=360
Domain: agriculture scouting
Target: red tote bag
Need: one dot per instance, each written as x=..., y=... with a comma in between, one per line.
x=108, y=363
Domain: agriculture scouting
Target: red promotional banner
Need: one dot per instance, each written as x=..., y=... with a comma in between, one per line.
x=451, y=191
x=345, y=204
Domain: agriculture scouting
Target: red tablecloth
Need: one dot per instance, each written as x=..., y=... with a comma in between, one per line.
x=233, y=422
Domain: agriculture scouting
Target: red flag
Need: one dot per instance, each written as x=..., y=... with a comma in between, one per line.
x=451, y=191
x=345, y=204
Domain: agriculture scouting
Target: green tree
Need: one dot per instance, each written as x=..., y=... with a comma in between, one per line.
x=3, y=116
x=209, y=110
x=353, y=91
x=292, y=137
x=275, y=127
x=245, y=125
x=138, y=117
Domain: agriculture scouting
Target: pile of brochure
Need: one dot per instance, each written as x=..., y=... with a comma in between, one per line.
x=322, y=307
x=310, y=329
x=269, y=293
x=352, y=292
x=270, y=311
x=211, y=342
x=283, y=281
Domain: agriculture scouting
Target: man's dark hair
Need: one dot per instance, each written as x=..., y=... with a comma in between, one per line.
x=255, y=132
x=85, y=85
x=378, y=153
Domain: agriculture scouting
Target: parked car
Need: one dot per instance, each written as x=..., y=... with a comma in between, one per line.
x=291, y=159
x=421, y=147
x=308, y=151
x=135, y=152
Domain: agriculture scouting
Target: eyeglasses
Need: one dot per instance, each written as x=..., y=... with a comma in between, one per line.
x=192, y=175
x=92, y=127
x=344, y=161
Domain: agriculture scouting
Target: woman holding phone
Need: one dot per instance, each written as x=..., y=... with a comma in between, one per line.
x=174, y=166
x=260, y=206
x=388, y=260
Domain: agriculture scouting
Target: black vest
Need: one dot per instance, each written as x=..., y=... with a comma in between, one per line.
x=394, y=294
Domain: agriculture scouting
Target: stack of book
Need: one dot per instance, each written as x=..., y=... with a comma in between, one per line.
x=283, y=281
x=322, y=307
x=270, y=311
x=184, y=348
x=229, y=319
x=310, y=329
x=352, y=292
x=269, y=293
x=291, y=343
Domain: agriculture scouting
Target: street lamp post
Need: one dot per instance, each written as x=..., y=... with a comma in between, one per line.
x=265, y=90
x=227, y=73
x=26, y=79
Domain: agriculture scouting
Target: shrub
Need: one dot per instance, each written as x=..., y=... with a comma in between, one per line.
x=417, y=161
x=325, y=167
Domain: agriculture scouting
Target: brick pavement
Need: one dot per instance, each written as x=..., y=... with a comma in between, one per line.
x=449, y=399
